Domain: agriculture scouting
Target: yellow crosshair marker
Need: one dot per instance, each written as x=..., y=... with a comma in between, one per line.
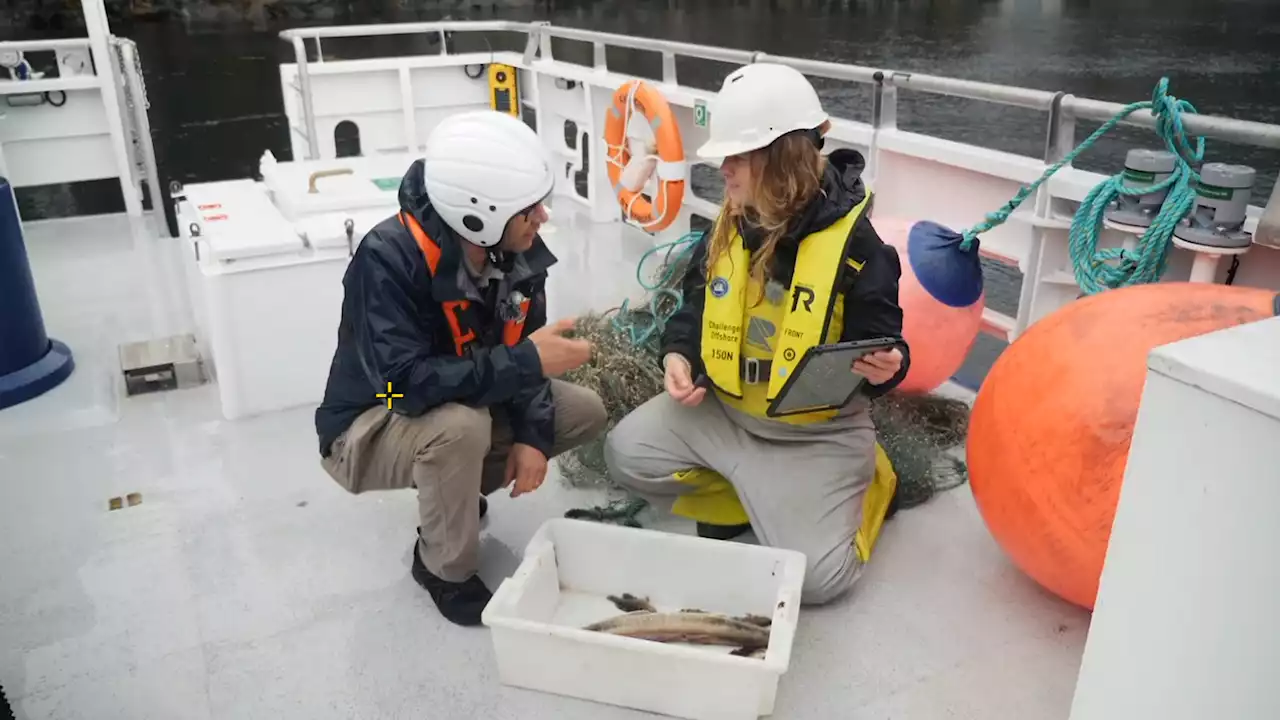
x=388, y=395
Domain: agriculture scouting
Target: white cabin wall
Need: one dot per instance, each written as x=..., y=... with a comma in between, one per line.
x=442, y=91
x=370, y=93
x=44, y=144
x=556, y=105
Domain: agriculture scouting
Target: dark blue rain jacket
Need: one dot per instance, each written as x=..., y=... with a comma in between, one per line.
x=394, y=330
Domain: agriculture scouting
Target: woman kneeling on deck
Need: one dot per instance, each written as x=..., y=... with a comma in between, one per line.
x=816, y=482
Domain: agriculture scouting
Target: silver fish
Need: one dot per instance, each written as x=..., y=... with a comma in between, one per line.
x=689, y=627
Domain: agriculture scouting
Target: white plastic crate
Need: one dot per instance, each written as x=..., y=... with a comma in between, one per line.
x=569, y=569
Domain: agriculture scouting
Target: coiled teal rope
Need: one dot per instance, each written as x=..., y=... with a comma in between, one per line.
x=665, y=299
x=1146, y=262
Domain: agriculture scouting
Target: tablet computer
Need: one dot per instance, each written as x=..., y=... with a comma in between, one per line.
x=824, y=379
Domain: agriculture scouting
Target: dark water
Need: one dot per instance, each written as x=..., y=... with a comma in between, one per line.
x=212, y=79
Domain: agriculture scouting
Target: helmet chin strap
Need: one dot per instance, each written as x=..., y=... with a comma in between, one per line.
x=815, y=136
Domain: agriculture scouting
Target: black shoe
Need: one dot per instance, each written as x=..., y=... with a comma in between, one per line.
x=484, y=506
x=722, y=532
x=893, y=505
x=459, y=603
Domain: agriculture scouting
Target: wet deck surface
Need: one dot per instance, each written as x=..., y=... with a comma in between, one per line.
x=247, y=584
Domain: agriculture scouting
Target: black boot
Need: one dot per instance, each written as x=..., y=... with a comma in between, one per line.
x=722, y=532
x=893, y=505
x=460, y=603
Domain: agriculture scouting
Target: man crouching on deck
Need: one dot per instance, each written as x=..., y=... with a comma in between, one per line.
x=439, y=381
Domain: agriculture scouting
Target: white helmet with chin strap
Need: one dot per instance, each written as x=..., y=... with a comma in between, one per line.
x=758, y=104
x=481, y=168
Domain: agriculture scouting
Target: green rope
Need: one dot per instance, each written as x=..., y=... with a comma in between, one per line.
x=1146, y=262
x=623, y=511
x=665, y=298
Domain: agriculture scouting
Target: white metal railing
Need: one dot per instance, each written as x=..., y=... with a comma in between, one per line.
x=40, y=45
x=113, y=70
x=1064, y=108
x=1038, y=247
x=138, y=122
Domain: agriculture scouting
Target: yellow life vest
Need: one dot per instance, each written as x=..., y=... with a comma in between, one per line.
x=779, y=327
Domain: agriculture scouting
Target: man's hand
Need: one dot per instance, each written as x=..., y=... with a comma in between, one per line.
x=678, y=380
x=558, y=353
x=527, y=467
x=879, y=367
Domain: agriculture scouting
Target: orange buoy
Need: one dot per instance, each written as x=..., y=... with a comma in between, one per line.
x=658, y=213
x=938, y=334
x=1050, y=431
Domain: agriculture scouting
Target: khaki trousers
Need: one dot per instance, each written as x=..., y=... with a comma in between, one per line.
x=451, y=454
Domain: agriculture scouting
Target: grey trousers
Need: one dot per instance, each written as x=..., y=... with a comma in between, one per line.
x=451, y=454
x=801, y=486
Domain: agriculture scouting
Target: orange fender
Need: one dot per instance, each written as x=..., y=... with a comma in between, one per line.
x=1050, y=430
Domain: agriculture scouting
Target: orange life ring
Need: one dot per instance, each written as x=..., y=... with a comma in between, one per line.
x=670, y=196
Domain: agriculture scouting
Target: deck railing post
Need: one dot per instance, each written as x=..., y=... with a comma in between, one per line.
x=99, y=30
x=308, y=107
x=533, y=36
x=877, y=113
x=889, y=103
x=134, y=81
x=1031, y=267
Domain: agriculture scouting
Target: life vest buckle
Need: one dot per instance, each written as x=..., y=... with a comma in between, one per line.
x=751, y=370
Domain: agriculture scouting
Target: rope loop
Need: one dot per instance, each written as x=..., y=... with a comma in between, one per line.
x=1097, y=270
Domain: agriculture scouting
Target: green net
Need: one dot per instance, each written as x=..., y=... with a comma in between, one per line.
x=921, y=434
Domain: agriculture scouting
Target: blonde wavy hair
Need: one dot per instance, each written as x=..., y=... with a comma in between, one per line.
x=785, y=177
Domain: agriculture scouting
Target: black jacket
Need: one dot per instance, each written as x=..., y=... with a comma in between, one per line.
x=393, y=329
x=871, y=302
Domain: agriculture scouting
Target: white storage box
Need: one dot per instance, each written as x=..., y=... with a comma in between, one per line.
x=267, y=306
x=569, y=569
x=341, y=185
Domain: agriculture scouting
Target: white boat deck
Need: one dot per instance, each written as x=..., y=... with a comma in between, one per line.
x=247, y=584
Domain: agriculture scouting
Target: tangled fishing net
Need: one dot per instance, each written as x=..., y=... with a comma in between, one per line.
x=920, y=433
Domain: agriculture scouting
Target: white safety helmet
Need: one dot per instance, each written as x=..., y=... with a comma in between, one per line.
x=758, y=104
x=481, y=168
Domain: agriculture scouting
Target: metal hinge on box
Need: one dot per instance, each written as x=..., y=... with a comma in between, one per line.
x=169, y=363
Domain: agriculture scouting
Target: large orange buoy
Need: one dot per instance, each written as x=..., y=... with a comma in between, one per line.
x=938, y=334
x=1050, y=431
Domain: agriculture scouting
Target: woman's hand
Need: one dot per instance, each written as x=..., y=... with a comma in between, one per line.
x=879, y=367
x=679, y=381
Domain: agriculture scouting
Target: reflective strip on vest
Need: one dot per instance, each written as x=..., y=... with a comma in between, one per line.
x=807, y=318
x=454, y=310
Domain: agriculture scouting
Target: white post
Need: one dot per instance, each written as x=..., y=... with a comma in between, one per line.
x=1204, y=268
x=410, y=112
x=1185, y=624
x=95, y=20
x=143, y=123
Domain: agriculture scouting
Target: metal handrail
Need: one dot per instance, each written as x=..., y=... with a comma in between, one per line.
x=824, y=69
x=1245, y=132
x=705, y=52
x=411, y=28
x=975, y=90
x=37, y=45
